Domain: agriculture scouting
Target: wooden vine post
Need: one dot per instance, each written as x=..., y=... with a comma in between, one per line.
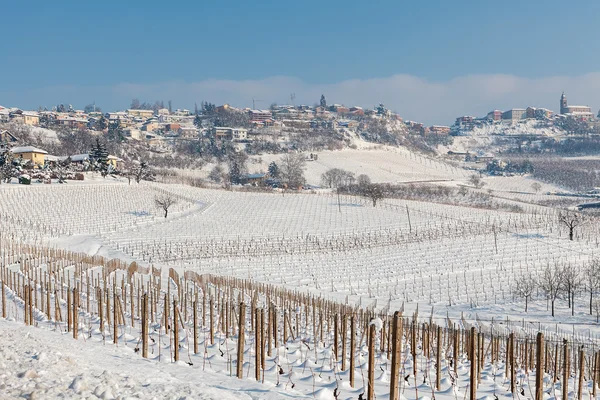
x=240, y=349
x=565, y=382
x=581, y=372
x=257, y=344
x=371, y=372
x=396, y=355
x=175, y=331
x=4, y=300
x=75, y=313
x=195, y=305
x=438, y=359
x=511, y=356
x=539, y=367
x=352, y=346
x=473, y=356
x=145, y=325
x=212, y=321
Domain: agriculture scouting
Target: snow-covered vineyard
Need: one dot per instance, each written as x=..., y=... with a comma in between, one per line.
x=293, y=293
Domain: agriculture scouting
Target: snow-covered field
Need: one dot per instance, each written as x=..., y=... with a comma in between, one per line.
x=447, y=261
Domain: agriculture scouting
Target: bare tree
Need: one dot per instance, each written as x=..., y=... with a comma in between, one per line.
x=363, y=181
x=592, y=275
x=476, y=181
x=551, y=282
x=336, y=178
x=597, y=310
x=292, y=170
x=571, y=220
x=571, y=281
x=536, y=187
x=165, y=201
x=526, y=285
x=374, y=192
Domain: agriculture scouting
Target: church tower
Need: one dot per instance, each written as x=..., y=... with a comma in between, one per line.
x=563, y=103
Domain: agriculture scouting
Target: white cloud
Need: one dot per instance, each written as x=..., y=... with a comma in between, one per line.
x=412, y=97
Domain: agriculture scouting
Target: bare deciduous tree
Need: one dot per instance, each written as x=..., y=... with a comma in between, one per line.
x=526, y=285
x=551, y=282
x=336, y=178
x=571, y=280
x=374, y=192
x=165, y=201
x=592, y=274
x=536, y=187
x=597, y=310
x=476, y=181
x=291, y=170
x=571, y=220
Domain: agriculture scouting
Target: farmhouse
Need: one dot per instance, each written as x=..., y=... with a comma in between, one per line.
x=30, y=153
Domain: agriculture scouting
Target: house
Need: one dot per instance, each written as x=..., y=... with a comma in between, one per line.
x=226, y=133
x=6, y=137
x=494, y=115
x=439, y=129
x=4, y=115
x=140, y=113
x=514, y=114
x=114, y=161
x=537, y=113
x=260, y=116
x=255, y=179
x=150, y=126
x=29, y=153
x=31, y=118
x=172, y=127
x=133, y=133
x=188, y=132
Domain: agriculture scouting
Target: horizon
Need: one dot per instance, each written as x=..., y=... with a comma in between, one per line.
x=451, y=60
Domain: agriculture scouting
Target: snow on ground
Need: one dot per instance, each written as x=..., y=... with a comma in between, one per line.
x=380, y=163
x=383, y=164
x=45, y=364
x=523, y=127
x=460, y=260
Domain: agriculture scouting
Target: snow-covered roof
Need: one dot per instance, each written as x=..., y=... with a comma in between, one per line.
x=49, y=157
x=80, y=157
x=27, y=149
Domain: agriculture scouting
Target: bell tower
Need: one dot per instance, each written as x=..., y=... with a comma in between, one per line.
x=563, y=103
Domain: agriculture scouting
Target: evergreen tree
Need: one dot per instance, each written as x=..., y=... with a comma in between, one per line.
x=274, y=170
x=99, y=158
x=101, y=124
x=115, y=133
x=323, y=102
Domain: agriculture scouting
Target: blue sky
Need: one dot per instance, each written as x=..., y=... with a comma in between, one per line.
x=427, y=60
